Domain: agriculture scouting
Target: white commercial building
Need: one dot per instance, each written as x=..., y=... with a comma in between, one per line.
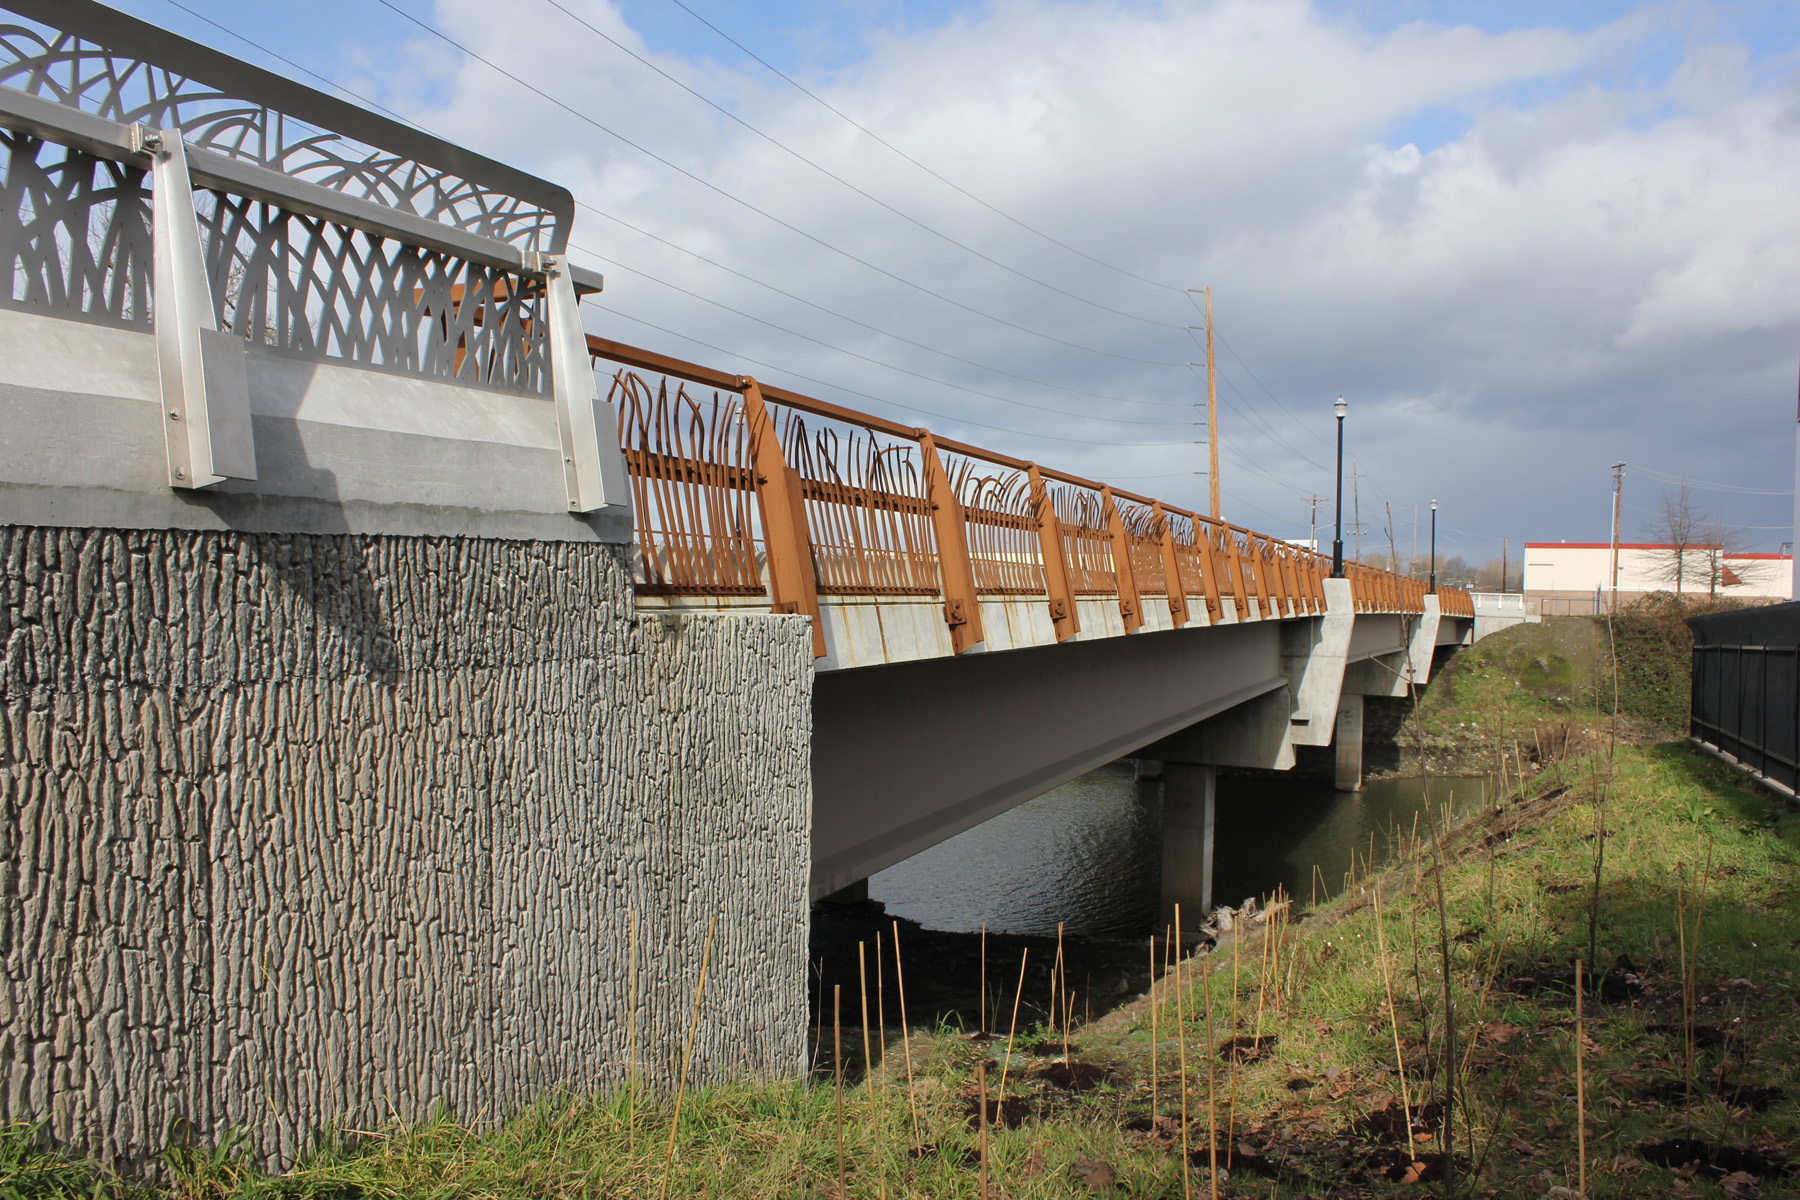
x=1571, y=578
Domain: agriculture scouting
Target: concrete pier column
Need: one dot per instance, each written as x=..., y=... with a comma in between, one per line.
x=1187, y=860
x=1349, y=742
x=1146, y=768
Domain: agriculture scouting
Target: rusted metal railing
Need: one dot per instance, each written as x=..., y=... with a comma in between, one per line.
x=755, y=491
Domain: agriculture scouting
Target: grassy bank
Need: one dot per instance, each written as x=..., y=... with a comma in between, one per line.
x=1313, y=1051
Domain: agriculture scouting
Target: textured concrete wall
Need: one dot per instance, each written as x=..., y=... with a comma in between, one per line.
x=304, y=829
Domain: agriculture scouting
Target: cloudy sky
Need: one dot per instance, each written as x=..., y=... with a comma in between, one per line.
x=1523, y=245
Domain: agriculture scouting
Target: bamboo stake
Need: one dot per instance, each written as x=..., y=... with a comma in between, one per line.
x=1155, y=1108
x=1062, y=984
x=880, y=1005
x=981, y=1098
x=1237, y=941
x=1056, y=987
x=1387, y=982
x=862, y=990
x=687, y=1057
x=1580, y=1089
x=1687, y=1016
x=1212, y=1104
x=1013, y=1031
x=837, y=1071
x=912, y=1098
x=1187, y=1184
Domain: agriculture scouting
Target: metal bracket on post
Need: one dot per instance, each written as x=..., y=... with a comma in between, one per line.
x=793, y=585
x=962, y=600
x=593, y=465
x=1131, y=605
x=1064, y=616
x=207, y=431
x=1177, y=590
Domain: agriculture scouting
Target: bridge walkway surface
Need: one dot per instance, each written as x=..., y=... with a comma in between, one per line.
x=397, y=712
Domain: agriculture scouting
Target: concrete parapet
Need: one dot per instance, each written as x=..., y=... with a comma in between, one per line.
x=312, y=829
x=340, y=448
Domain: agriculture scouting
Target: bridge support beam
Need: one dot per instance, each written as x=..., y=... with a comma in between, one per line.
x=855, y=893
x=1349, y=742
x=1189, y=792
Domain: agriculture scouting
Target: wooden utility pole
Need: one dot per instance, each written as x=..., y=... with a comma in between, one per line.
x=1312, y=519
x=1212, y=414
x=1618, y=491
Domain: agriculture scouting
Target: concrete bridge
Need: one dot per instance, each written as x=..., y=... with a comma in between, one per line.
x=985, y=628
x=393, y=705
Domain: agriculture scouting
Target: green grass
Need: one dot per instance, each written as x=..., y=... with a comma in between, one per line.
x=1517, y=889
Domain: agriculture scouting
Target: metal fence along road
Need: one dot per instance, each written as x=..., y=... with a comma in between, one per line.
x=1745, y=702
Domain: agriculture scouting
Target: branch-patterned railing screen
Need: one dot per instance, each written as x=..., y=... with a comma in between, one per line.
x=873, y=518
x=75, y=226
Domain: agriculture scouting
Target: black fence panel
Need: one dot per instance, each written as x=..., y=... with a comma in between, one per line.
x=1746, y=689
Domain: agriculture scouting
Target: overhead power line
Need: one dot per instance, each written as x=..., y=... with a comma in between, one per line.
x=1703, y=485
x=879, y=140
x=839, y=179
x=877, y=362
x=761, y=212
x=924, y=412
x=694, y=254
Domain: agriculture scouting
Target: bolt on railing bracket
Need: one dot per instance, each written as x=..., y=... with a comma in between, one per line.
x=208, y=435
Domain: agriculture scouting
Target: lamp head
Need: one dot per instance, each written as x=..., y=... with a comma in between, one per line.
x=1434, y=505
x=1340, y=408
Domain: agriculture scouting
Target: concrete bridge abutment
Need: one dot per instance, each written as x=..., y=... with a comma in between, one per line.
x=364, y=787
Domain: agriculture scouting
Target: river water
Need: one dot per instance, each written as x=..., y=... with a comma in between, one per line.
x=1089, y=853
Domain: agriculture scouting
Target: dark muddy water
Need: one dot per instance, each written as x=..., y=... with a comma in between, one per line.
x=1089, y=853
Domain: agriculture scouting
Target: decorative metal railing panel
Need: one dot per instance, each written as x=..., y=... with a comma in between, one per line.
x=1144, y=539
x=320, y=289
x=1002, y=529
x=327, y=231
x=1087, y=543
x=865, y=510
x=74, y=232
x=693, y=495
x=92, y=59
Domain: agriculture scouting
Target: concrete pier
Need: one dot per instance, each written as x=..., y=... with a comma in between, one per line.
x=1349, y=743
x=1189, y=794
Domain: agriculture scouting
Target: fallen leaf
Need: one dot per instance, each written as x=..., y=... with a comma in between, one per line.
x=1499, y=1033
x=1741, y=1185
x=1686, y=1170
x=1034, y=1164
x=1554, y=1128
x=1414, y=1173
x=1097, y=1175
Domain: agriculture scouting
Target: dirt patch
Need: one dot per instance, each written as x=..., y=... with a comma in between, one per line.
x=1715, y=1160
x=1073, y=1076
x=1247, y=1048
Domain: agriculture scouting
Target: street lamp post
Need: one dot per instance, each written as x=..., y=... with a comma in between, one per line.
x=1434, y=547
x=1337, y=516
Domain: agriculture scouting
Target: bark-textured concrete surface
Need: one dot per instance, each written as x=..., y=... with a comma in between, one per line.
x=312, y=829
